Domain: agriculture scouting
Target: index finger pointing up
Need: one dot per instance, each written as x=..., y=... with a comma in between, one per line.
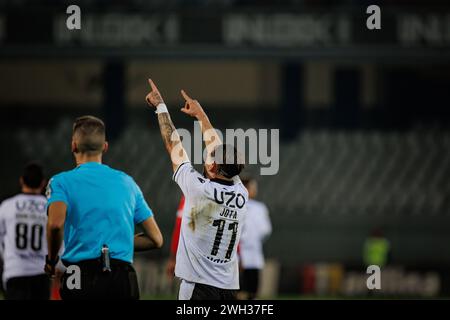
x=152, y=85
x=185, y=96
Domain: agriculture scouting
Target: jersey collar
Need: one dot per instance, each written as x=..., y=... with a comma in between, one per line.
x=224, y=182
x=91, y=163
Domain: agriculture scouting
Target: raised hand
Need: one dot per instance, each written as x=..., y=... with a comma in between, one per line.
x=191, y=107
x=153, y=98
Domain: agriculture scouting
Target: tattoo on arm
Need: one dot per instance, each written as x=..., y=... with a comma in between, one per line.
x=167, y=129
x=172, y=140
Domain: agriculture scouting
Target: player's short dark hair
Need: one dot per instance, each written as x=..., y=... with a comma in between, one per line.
x=90, y=135
x=33, y=175
x=228, y=159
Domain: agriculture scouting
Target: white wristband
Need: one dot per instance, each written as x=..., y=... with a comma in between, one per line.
x=161, y=108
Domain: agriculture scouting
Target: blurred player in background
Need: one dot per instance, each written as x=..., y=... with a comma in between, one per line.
x=256, y=230
x=206, y=260
x=376, y=249
x=22, y=234
x=175, y=238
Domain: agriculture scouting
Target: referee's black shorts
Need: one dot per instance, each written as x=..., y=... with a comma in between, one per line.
x=119, y=284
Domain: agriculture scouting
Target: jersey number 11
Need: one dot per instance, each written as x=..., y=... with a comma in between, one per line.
x=220, y=224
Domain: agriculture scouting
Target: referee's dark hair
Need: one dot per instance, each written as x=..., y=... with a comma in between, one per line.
x=228, y=160
x=89, y=134
x=33, y=175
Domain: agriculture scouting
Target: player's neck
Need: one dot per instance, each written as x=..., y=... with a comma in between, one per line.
x=221, y=178
x=216, y=176
x=29, y=190
x=85, y=158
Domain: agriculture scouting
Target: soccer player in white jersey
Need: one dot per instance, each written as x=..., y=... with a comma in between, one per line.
x=256, y=230
x=22, y=233
x=206, y=260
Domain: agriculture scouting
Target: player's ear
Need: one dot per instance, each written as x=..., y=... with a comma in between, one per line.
x=105, y=147
x=74, y=147
x=21, y=183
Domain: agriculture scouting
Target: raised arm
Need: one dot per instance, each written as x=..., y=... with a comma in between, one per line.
x=193, y=108
x=169, y=133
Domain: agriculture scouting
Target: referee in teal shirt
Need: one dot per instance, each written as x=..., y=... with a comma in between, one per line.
x=95, y=209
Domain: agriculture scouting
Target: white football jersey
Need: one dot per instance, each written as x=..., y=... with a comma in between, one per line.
x=23, y=220
x=257, y=228
x=210, y=228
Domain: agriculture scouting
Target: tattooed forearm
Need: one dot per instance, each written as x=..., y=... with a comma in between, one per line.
x=167, y=129
x=169, y=133
x=171, y=140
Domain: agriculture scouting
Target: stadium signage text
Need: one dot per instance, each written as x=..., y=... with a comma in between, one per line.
x=329, y=32
x=117, y=29
x=286, y=29
x=430, y=30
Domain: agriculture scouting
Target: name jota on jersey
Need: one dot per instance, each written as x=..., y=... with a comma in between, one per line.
x=231, y=200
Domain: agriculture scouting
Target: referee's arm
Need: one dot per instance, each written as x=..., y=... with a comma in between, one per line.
x=151, y=238
x=55, y=234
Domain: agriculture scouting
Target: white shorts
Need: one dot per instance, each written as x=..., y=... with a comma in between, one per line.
x=186, y=290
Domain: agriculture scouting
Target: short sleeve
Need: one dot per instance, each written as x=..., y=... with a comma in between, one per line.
x=190, y=181
x=56, y=191
x=141, y=211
